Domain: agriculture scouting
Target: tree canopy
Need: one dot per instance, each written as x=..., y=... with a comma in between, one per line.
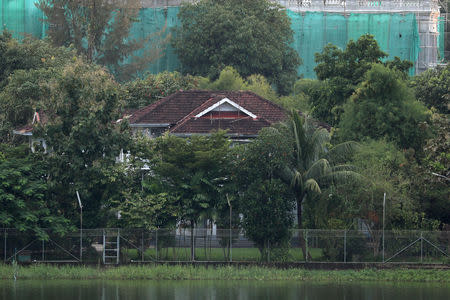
x=432, y=87
x=26, y=68
x=24, y=194
x=384, y=107
x=83, y=138
x=251, y=36
x=265, y=201
x=145, y=91
x=341, y=70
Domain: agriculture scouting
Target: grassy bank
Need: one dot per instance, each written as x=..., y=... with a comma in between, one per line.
x=162, y=272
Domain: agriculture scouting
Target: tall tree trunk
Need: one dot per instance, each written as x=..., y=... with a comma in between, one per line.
x=301, y=239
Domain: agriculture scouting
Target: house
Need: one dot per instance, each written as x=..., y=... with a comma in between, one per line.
x=242, y=113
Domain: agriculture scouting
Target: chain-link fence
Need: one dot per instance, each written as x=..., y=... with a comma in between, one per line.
x=116, y=246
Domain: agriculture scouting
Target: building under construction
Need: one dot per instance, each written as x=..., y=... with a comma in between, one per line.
x=409, y=29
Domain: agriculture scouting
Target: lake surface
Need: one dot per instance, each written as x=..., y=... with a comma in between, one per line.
x=217, y=290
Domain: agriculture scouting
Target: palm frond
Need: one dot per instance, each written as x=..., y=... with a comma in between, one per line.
x=312, y=186
x=297, y=180
x=299, y=134
x=319, y=139
x=318, y=169
x=342, y=177
x=343, y=151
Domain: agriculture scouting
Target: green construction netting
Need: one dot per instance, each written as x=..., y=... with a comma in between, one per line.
x=441, y=40
x=20, y=17
x=158, y=20
x=397, y=33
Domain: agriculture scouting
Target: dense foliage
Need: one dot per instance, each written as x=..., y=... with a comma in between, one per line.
x=384, y=107
x=21, y=90
x=432, y=87
x=24, y=194
x=265, y=201
x=251, y=36
x=84, y=137
x=145, y=91
x=340, y=71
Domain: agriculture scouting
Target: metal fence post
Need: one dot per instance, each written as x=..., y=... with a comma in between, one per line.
x=384, y=219
x=306, y=244
x=231, y=246
x=345, y=245
x=4, y=259
x=156, y=243
x=421, y=247
x=104, y=246
x=43, y=249
x=142, y=246
x=118, y=246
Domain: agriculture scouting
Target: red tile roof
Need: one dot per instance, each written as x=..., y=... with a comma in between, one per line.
x=169, y=109
x=179, y=110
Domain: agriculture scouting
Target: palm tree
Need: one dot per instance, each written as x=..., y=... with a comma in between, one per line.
x=315, y=164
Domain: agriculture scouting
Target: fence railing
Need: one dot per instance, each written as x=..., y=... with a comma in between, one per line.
x=116, y=246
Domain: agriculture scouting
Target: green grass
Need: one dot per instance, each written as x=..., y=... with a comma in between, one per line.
x=215, y=254
x=164, y=272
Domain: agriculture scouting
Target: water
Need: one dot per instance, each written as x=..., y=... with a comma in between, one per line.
x=217, y=290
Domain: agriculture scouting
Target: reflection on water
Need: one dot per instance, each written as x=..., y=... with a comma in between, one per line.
x=217, y=290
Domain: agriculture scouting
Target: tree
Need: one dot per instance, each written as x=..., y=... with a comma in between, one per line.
x=230, y=80
x=314, y=163
x=251, y=36
x=24, y=194
x=327, y=97
x=99, y=30
x=266, y=202
x=432, y=88
x=142, y=92
x=385, y=169
x=143, y=201
x=384, y=107
x=28, y=54
x=84, y=139
x=81, y=103
x=351, y=63
x=430, y=180
x=25, y=71
x=342, y=70
x=193, y=171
